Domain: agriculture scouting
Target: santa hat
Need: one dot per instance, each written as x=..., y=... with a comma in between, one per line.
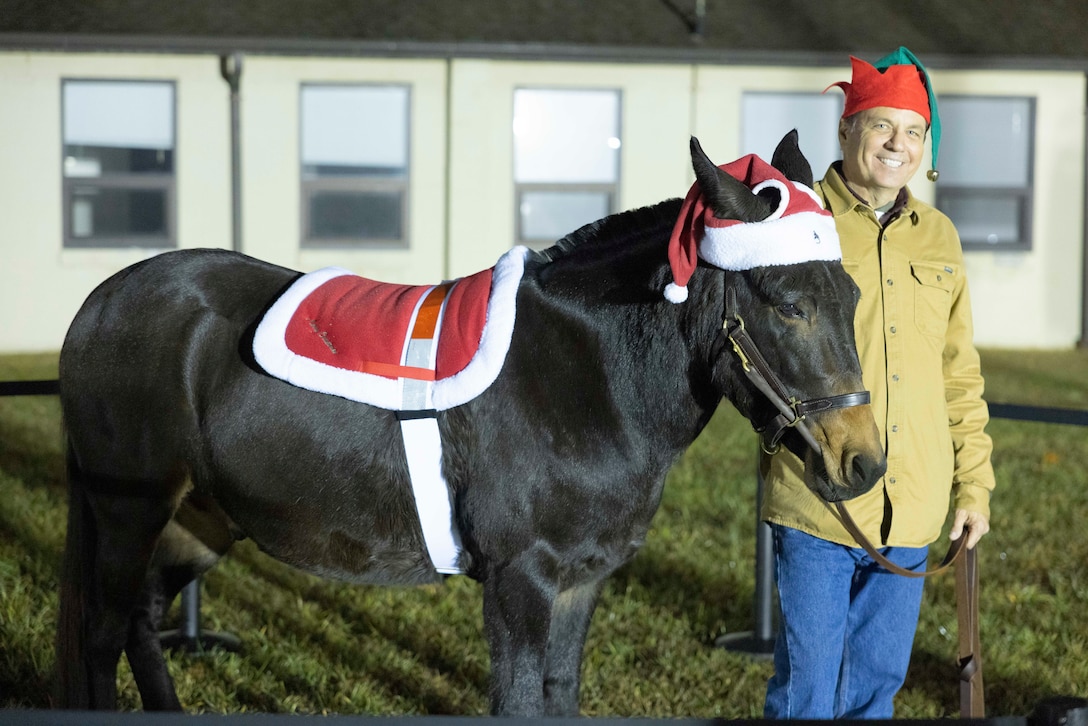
x=898, y=80
x=798, y=230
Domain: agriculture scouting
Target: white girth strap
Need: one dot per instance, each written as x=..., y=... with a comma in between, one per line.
x=419, y=429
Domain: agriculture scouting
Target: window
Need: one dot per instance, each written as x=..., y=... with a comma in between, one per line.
x=118, y=157
x=354, y=153
x=767, y=117
x=566, y=160
x=987, y=195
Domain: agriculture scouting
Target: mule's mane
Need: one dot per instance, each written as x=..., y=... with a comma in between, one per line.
x=622, y=228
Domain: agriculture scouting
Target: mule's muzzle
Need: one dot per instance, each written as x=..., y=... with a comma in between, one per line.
x=850, y=460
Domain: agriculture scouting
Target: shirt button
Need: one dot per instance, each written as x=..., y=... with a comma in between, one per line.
x=892, y=329
x=895, y=429
x=889, y=281
x=895, y=377
x=891, y=480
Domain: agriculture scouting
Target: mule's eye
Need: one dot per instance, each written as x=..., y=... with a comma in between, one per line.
x=789, y=310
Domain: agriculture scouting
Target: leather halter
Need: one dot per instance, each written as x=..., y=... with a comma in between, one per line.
x=792, y=412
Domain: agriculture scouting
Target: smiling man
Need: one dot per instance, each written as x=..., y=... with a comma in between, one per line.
x=846, y=625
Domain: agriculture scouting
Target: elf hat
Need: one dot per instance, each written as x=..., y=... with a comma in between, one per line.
x=798, y=230
x=898, y=80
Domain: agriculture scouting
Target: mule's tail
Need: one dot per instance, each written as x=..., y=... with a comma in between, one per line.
x=73, y=686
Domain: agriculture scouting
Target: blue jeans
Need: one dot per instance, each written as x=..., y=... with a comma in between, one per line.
x=845, y=631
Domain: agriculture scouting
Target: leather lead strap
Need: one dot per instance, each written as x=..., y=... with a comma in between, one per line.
x=972, y=697
x=954, y=549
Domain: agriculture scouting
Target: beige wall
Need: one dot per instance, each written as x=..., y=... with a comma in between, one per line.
x=654, y=162
x=270, y=161
x=42, y=284
x=1033, y=299
x=1022, y=299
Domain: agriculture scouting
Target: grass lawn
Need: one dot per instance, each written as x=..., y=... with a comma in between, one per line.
x=313, y=646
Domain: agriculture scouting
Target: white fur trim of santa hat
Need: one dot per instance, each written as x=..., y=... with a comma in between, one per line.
x=798, y=230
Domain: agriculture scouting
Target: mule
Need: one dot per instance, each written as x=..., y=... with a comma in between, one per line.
x=180, y=443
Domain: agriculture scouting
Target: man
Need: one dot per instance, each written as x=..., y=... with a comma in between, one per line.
x=847, y=625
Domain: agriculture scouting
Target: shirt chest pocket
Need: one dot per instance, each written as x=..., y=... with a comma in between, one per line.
x=933, y=286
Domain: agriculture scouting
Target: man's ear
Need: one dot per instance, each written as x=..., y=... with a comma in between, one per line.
x=844, y=128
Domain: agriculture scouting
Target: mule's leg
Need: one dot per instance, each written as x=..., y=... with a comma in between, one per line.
x=571, y=615
x=190, y=545
x=144, y=648
x=518, y=599
x=126, y=530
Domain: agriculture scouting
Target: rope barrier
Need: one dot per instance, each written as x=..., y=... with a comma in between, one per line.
x=29, y=388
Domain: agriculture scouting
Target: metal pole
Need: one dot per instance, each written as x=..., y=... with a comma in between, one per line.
x=190, y=608
x=758, y=643
x=189, y=638
x=230, y=67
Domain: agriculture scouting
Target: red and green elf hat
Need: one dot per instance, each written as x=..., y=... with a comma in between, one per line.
x=898, y=80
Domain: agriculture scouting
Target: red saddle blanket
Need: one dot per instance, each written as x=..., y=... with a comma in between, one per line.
x=339, y=333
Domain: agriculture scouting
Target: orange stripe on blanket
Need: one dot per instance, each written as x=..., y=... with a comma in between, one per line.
x=427, y=318
x=390, y=370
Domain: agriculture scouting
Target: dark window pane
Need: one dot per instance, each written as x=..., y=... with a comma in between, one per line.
x=355, y=215
x=112, y=212
x=322, y=171
x=94, y=161
x=991, y=219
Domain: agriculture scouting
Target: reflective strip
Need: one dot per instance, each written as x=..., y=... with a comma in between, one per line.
x=423, y=446
x=422, y=442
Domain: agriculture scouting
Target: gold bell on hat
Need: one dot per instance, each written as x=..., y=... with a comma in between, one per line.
x=932, y=175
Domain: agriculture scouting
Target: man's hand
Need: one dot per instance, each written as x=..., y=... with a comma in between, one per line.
x=977, y=525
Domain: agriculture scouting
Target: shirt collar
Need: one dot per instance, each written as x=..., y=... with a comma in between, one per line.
x=842, y=198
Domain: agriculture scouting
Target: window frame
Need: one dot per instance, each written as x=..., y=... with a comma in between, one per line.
x=1025, y=195
x=139, y=181
x=612, y=190
x=398, y=184
x=829, y=149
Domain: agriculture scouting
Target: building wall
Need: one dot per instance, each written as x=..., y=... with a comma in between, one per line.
x=461, y=216
x=655, y=125
x=1034, y=299
x=42, y=284
x=271, y=168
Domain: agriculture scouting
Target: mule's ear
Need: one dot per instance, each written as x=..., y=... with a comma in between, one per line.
x=789, y=160
x=727, y=197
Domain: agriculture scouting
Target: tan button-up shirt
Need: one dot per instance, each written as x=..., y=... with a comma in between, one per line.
x=914, y=334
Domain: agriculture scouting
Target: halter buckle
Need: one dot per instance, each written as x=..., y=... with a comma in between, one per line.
x=736, y=346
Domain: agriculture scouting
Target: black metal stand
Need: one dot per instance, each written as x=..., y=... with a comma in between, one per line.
x=758, y=643
x=1060, y=711
x=189, y=638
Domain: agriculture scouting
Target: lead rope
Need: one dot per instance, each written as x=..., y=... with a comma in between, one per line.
x=792, y=414
x=972, y=698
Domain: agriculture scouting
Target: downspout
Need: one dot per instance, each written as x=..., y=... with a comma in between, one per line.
x=447, y=248
x=1083, y=342
x=230, y=67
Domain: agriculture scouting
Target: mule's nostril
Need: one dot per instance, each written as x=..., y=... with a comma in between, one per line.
x=857, y=466
x=865, y=471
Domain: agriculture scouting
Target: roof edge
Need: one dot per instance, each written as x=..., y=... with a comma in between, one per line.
x=105, y=43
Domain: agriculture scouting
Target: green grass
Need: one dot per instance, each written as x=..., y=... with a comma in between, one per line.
x=313, y=646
